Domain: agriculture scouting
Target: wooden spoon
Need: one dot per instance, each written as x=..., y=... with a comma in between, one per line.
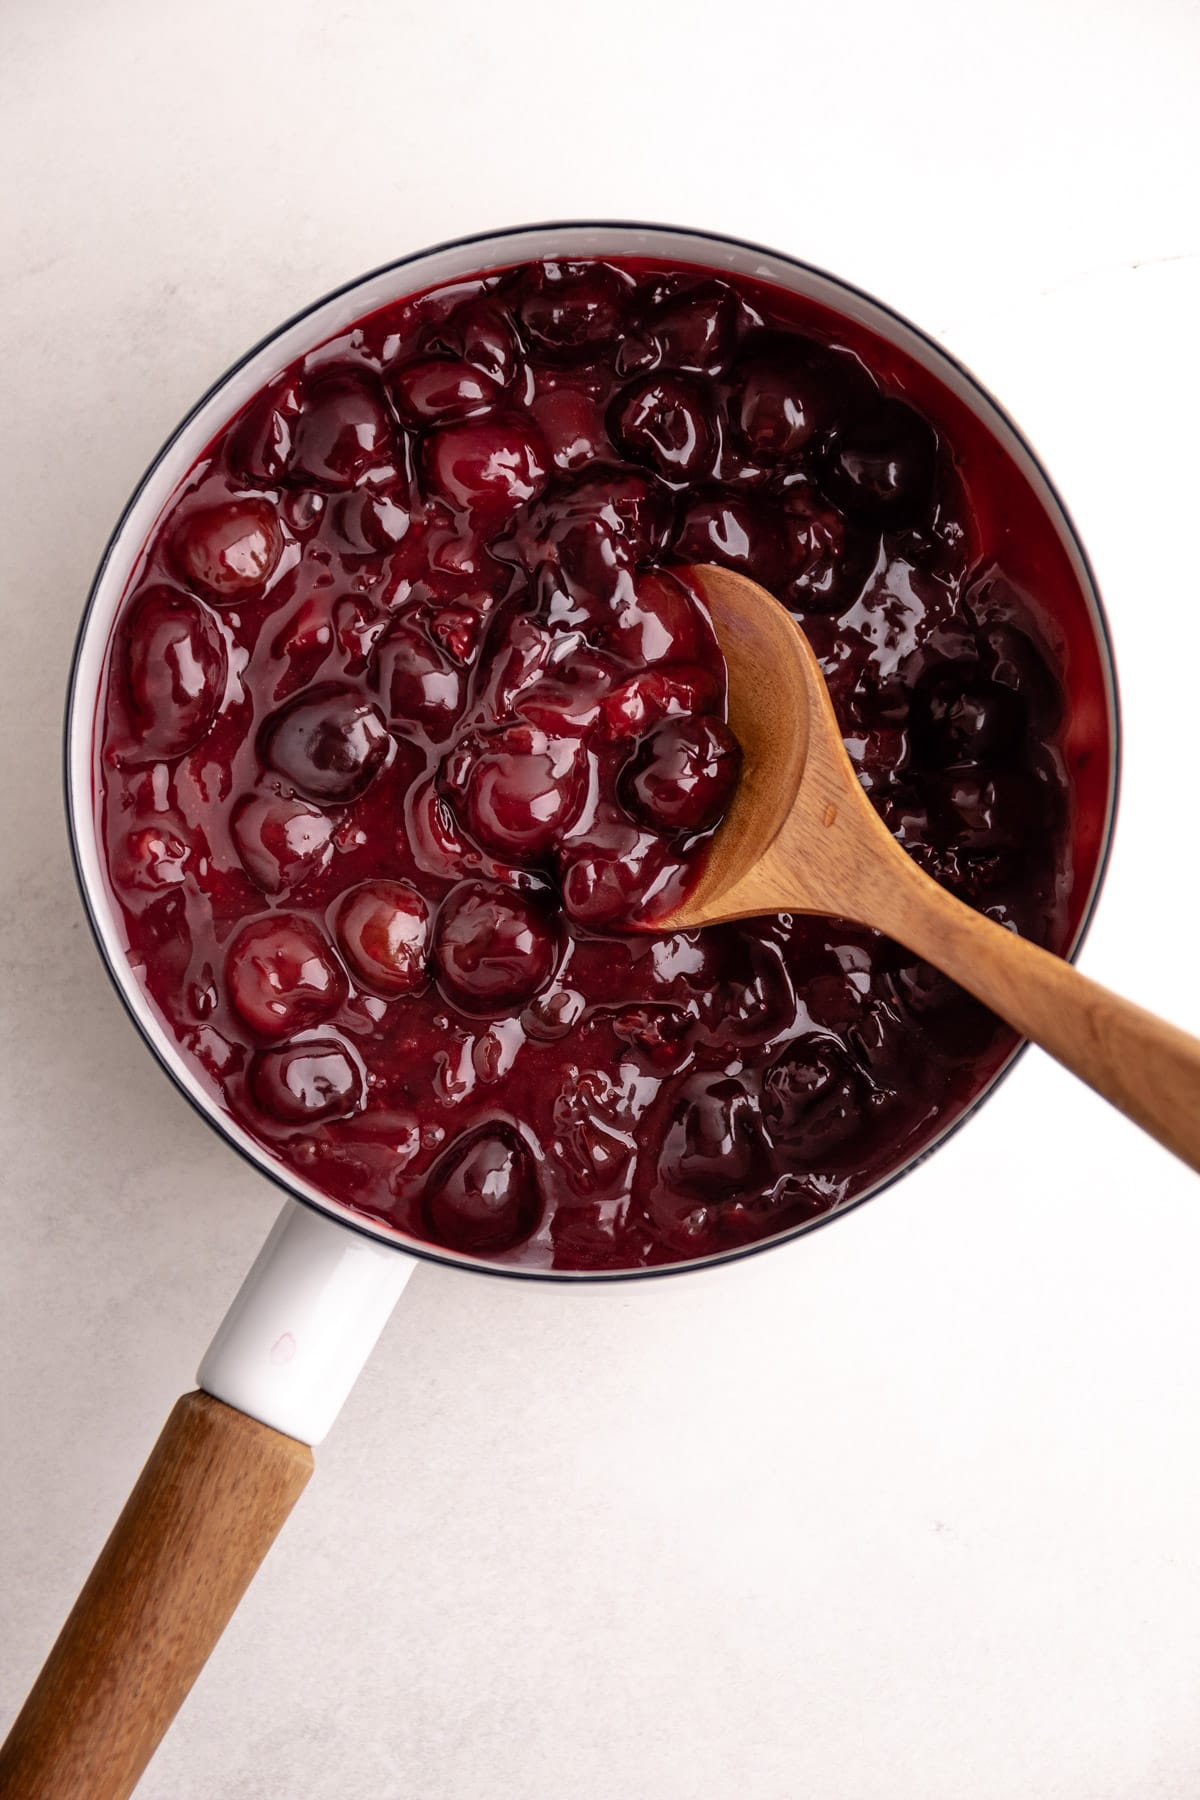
x=801, y=836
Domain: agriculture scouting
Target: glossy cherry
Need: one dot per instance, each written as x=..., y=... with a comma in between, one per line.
x=282, y=975
x=281, y=839
x=382, y=930
x=175, y=671
x=230, y=552
x=482, y=1193
x=683, y=775
x=308, y=1082
x=493, y=947
x=329, y=743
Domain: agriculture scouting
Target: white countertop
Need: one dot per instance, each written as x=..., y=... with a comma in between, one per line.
x=906, y=1511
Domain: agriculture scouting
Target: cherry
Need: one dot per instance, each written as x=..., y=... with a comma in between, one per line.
x=567, y=702
x=959, y=719
x=523, y=789
x=612, y=881
x=655, y=620
x=481, y=333
x=152, y=858
x=1002, y=809
x=342, y=432
x=713, y=1148
x=666, y=422
x=281, y=975
x=230, y=551
x=812, y=1098
x=745, y=996
x=481, y=1195
x=307, y=1083
x=330, y=743
x=787, y=398
x=486, y=468
x=571, y=423
x=176, y=668
x=683, y=775
x=826, y=560
x=571, y=306
x=735, y=532
x=694, y=328
x=372, y=519
x=882, y=467
x=261, y=440
x=594, y=530
x=440, y=388
x=382, y=930
x=281, y=839
x=418, y=682
x=661, y=693
x=1017, y=663
x=633, y=506
x=492, y=947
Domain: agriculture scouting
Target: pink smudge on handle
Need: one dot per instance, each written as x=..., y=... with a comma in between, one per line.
x=283, y=1349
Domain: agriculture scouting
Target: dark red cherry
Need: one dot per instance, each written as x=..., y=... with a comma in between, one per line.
x=985, y=811
x=683, y=775
x=281, y=839
x=655, y=620
x=1017, y=663
x=418, y=683
x=570, y=306
x=785, y=401
x=666, y=422
x=735, y=532
x=261, y=441
x=330, y=743
x=481, y=1195
x=813, y=1098
x=230, y=551
x=523, y=789
x=282, y=976
x=383, y=932
x=151, y=859
x=826, y=560
x=612, y=881
x=492, y=946
x=661, y=693
x=307, y=1083
x=372, y=519
x=694, y=328
x=176, y=669
x=571, y=423
x=960, y=719
x=343, y=430
x=713, y=1148
x=481, y=333
x=440, y=388
x=882, y=467
x=486, y=467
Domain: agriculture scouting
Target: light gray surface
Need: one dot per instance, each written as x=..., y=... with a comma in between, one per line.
x=907, y=1510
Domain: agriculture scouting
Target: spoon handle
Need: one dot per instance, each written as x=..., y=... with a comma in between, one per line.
x=1146, y=1067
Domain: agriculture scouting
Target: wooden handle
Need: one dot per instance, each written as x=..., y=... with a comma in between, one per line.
x=204, y=1513
x=1147, y=1068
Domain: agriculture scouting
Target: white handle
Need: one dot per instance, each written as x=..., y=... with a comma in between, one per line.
x=304, y=1322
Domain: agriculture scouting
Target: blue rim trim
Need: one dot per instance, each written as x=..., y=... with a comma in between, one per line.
x=213, y=1118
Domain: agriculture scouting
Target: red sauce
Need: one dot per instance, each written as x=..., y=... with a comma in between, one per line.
x=406, y=719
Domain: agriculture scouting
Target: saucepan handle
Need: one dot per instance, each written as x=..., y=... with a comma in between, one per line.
x=225, y=1473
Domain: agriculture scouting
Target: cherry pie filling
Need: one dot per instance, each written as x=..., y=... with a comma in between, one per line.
x=411, y=713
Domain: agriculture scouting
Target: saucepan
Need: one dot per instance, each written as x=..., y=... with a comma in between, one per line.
x=235, y=1454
